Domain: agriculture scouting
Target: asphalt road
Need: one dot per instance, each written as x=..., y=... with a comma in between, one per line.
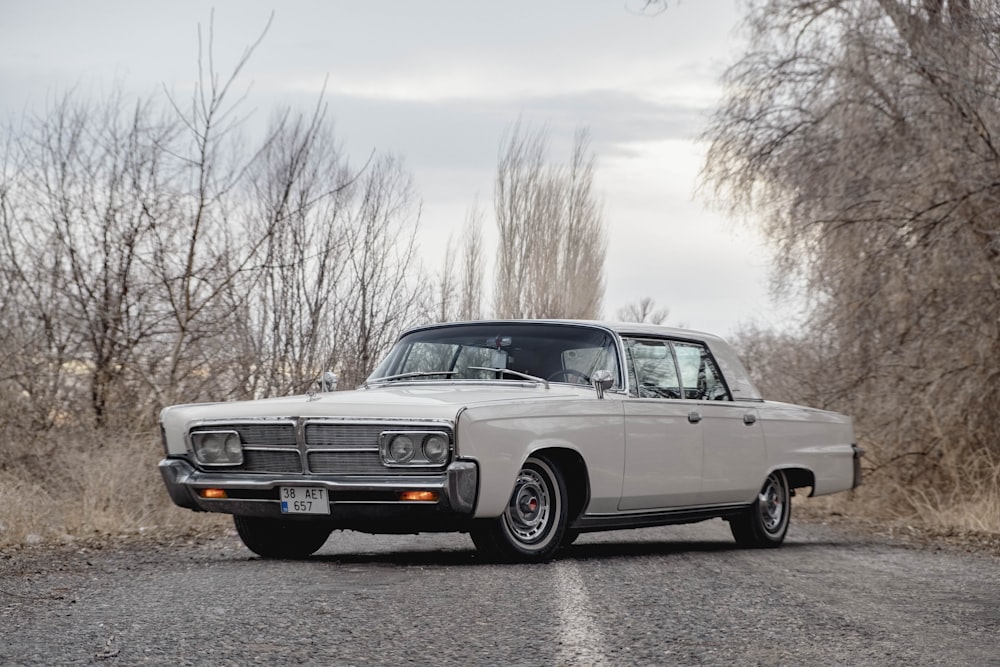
x=671, y=596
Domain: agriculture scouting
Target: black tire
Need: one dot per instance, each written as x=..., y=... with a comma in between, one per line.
x=569, y=536
x=532, y=526
x=280, y=538
x=765, y=523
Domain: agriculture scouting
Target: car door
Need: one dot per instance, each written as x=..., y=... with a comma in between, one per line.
x=733, y=450
x=663, y=442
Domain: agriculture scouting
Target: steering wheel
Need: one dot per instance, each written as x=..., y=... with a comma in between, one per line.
x=570, y=372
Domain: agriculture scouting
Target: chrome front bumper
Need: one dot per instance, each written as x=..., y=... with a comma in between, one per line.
x=354, y=500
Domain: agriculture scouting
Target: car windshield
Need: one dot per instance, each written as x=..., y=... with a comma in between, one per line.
x=482, y=351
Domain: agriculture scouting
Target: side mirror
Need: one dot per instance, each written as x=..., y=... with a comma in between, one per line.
x=602, y=381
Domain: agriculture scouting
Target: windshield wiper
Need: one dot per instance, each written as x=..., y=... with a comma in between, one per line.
x=508, y=371
x=404, y=376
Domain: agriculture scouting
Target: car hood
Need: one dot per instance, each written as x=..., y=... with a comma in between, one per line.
x=424, y=400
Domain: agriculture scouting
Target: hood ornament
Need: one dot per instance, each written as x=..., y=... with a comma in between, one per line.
x=327, y=383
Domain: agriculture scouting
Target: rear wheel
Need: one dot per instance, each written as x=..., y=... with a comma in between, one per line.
x=534, y=521
x=765, y=523
x=280, y=538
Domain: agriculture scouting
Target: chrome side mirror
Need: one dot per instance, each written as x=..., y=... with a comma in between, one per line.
x=602, y=381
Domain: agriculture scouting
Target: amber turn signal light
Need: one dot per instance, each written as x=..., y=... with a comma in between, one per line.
x=216, y=494
x=419, y=496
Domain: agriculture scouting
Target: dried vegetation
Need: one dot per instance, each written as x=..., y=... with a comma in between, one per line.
x=866, y=136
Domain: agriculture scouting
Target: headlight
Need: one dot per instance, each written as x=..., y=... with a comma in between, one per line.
x=415, y=448
x=217, y=448
x=401, y=449
x=436, y=448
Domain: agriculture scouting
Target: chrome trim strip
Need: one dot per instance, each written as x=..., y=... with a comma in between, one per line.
x=275, y=501
x=340, y=450
x=270, y=448
x=646, y=518
x=247, y=483
x=291, y=420
x=664, y=510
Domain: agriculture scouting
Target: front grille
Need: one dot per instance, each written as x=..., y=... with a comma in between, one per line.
x=255, y=460
x=330, y=447
x=344, y=435
x=265, y=435
x=352, y=463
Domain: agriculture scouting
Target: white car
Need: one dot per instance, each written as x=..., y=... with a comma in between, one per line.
x=522, y=433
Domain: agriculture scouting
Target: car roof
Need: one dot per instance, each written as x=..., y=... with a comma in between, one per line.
x=732, y=367
x=633, y=328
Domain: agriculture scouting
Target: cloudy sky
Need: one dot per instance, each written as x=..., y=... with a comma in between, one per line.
x=438, y=82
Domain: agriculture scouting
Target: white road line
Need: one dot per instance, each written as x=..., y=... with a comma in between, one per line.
x=580, y=637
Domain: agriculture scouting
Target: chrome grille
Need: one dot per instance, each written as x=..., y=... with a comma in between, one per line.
x=257, y=460
x=352, y=463
x=266, y=435
x=344, y=435
x=332, y=448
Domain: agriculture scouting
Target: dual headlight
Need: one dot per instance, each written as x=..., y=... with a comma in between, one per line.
x=217, y=448
x=416, y=448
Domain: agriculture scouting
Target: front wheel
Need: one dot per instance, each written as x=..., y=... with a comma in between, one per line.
x=280, y=538
x=765, y=523
x=531, y=527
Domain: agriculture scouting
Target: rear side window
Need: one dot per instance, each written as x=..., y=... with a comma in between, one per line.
x=653, y=370
x=699, y=374
x=674, y=369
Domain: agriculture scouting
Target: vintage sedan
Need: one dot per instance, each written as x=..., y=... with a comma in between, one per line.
x=522, y=433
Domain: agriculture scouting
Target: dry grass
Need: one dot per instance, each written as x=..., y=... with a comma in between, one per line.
x=91, y=485
x=962, y=501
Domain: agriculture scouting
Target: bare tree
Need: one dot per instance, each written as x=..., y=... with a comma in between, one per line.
x=446, y=289
x=459, y=284
x=472, y=267
x=150, y=256
x=379, y=298
x=643, y=310
x=300, y=190
x=863, y=135
x=34, y=344
x=86, y=188
x=205, y=241
x=551, y=233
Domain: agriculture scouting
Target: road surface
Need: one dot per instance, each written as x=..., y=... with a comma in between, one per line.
x=665, y=596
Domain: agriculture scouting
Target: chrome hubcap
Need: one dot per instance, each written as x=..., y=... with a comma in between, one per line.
x=529, y=509
x=772, y=505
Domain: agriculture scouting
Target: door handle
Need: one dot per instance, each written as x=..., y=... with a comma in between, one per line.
x=694, y=417
x=749, y=419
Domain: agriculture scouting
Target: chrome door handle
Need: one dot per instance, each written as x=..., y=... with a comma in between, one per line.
x=749, y=419
x=694, y=417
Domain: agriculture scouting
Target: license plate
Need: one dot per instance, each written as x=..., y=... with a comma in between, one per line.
x=304, y=500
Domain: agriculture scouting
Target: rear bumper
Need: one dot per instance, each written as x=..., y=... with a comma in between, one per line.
x=370, y=504
x=858, y=453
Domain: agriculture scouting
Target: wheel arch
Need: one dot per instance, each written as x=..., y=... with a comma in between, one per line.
x=799, y=477
x=575, y=475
